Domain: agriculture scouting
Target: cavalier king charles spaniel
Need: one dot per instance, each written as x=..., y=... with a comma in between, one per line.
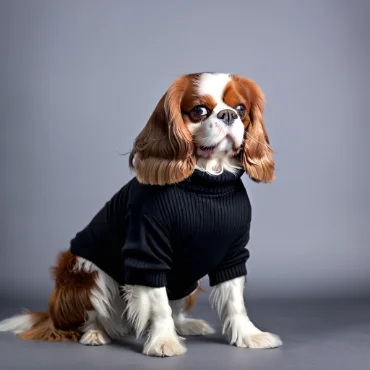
x=184, y=215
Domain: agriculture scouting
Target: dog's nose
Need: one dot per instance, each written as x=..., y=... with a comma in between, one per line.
x=228, y=116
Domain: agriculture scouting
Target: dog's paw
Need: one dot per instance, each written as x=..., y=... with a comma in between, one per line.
x=259, y=340
x=194, y=327
x=166, y=347
x=95, y=338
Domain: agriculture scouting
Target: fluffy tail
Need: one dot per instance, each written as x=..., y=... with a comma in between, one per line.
x=67, y=307
x=191, y=299
x=37, y=326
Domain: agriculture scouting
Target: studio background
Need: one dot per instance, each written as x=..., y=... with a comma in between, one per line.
x=79, y=80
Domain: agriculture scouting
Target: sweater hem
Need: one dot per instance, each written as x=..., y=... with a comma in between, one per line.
x=227, y=274
x=149, y=278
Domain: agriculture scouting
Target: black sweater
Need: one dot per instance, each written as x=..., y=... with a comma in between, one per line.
x=171, y=235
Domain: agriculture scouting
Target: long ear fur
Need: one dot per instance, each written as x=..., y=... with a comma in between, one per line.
x=256, y=156
x=163, y=152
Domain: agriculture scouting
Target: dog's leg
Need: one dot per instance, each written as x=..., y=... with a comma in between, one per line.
x=185, y=325
x=227, y=298
x=104, y=322
x=163, y=339
x=144, y=305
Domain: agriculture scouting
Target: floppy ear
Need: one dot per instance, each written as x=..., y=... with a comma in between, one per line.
x=256, y=155
x=163, y=152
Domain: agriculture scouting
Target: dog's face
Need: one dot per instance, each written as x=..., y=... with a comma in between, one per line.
x=214, y=112
x=213, y=121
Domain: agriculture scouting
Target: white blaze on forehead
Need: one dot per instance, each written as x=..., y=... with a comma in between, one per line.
x=213, y=84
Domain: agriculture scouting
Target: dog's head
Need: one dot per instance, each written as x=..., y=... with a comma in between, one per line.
x=211, y=121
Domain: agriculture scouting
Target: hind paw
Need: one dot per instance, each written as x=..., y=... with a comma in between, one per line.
x=95, y=338
x=194, y=327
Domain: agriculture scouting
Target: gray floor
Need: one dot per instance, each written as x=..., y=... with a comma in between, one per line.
x=317, y=335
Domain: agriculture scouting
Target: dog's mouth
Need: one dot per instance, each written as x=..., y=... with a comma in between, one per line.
x=206, y=151
x=202, y=147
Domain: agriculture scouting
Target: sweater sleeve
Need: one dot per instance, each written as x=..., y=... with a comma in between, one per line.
x=146, y=253
x=234, y=263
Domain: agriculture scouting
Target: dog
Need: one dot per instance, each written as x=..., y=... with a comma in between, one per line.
x=136, y=267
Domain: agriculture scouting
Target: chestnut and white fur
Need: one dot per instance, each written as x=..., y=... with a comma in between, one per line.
x=210, y=121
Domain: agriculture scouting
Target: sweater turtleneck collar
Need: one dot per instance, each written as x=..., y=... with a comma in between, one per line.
x=201, y=181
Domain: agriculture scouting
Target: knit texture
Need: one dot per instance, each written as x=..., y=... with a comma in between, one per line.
x=171, y=235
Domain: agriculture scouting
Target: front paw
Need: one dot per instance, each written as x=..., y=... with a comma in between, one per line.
x=258, y=340
x=164, y=347
x=193, y=327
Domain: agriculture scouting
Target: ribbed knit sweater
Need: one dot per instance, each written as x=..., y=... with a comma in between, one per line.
x=173, y=235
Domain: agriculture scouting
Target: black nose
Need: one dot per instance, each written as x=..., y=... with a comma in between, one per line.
x=227, y=115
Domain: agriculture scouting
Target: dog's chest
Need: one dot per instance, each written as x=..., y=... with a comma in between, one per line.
x=210, y=221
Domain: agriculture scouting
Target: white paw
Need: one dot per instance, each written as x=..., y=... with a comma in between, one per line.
x=193, y=327
x=164, y=347
x=264, y=340
x=258, y=340
x=95, y=338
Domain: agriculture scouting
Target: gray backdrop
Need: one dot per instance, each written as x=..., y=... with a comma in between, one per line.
x=79, y=79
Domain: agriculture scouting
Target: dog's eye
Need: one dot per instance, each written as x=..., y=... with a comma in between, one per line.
x=198, y=113
x=241, y=110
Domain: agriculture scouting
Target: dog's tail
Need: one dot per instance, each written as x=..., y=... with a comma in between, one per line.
x=37, y=326
x=191, y=299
